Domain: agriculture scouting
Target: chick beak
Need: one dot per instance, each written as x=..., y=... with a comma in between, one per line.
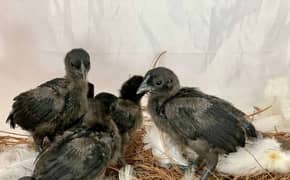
x=144, y=87
x=84, y=71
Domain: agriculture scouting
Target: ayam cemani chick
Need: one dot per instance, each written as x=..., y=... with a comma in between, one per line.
x=126, y=110
x=55, y=105
x=83, y=152
x=196, y=121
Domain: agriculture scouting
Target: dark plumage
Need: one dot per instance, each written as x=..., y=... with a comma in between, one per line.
x=106, y=99
x=203, y=123
x=129, y=89
x=57, y=104
x=83, y=152
x=125, y=110
x=91, y=90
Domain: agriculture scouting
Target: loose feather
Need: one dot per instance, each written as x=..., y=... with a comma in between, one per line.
x=16, y=162
x=126, y=173
x=163, y=148
x=261, y=155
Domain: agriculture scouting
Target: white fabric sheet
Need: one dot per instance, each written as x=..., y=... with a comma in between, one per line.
x=229, y=48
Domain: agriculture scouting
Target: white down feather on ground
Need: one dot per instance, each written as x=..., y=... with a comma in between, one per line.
x=162, y=147
x=126, y=173
x=257, y=157
x=16, y=162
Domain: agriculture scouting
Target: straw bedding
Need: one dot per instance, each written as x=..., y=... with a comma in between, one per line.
x=145, y=165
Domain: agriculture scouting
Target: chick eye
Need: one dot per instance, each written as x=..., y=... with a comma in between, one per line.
x=158, y=83
x=87, y=64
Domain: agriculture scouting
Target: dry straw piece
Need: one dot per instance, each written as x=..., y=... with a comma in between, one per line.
x=157, y=59
x=8, y=139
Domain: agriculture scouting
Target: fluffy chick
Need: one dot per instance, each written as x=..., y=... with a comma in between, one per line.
x=125, y=110
x=203, y=123
x=82, y=152
x=55, y=105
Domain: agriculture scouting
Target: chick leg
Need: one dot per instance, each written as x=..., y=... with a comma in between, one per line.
x=196, y=153
x=211, y=162
x=125, y=139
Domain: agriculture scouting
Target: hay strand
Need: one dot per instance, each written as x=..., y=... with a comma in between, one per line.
x=155, y=61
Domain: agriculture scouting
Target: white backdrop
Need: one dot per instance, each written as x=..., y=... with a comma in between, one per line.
x=228, y=48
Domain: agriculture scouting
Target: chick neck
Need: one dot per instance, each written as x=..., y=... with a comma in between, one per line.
x=74, y=76
x=156, y=100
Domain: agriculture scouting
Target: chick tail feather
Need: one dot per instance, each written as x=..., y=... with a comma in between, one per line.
x=250, y=129
x=10, y=120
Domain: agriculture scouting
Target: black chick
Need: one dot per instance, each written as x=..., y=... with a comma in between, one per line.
x=82, y=152
x=106, y=99
x=55, y=105
x=126, y=110
x=203, y=123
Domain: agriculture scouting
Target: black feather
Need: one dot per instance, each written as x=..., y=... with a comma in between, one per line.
x=79, y=154
x=129, y=89
x=106, y=100
x=10, y=120
x=124, y=115
x=50, y=105
x=91, y=90
x=196, y=117
x=249, y=128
